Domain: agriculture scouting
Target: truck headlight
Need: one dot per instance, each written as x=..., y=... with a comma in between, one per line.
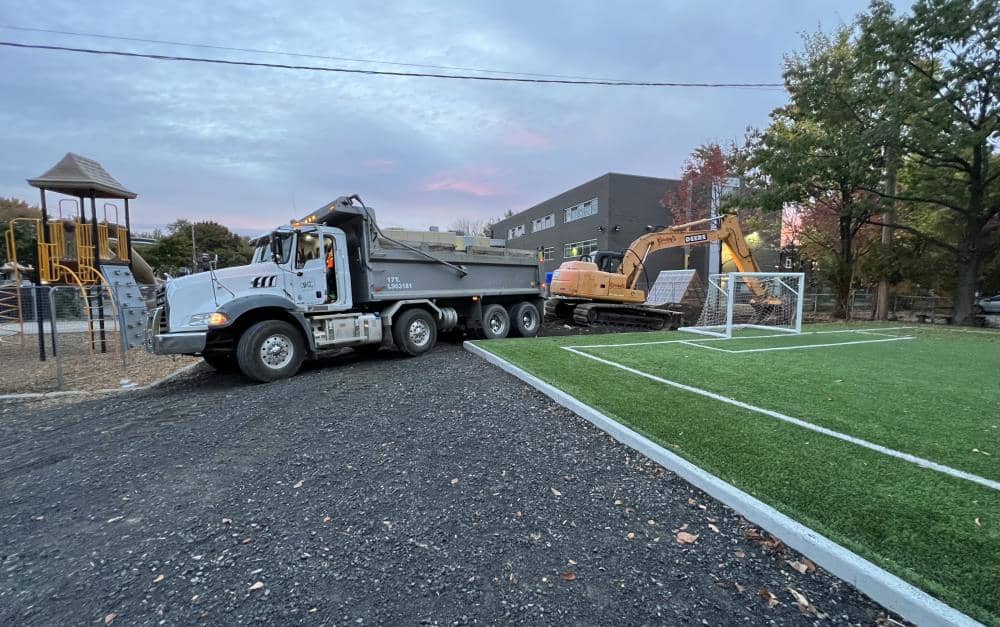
x=211, y=319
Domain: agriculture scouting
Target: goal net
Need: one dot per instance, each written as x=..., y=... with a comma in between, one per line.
x=771, y=301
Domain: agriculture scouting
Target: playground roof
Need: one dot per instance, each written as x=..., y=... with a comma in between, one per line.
x=80, y=176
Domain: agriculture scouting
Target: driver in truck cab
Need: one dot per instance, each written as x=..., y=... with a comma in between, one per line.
x=331, y=275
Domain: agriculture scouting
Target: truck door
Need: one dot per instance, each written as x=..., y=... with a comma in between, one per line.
x=308, y=279
x=338, y=280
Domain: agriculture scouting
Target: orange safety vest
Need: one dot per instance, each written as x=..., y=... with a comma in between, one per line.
x=329, y=262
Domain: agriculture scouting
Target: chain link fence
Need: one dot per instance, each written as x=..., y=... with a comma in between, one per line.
x=87, y=339
x=862, y=302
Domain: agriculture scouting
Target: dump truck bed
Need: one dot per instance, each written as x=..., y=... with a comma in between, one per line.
x=395, y=273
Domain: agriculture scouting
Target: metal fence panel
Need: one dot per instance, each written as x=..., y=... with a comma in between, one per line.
x=26, y=360
x=89, y=347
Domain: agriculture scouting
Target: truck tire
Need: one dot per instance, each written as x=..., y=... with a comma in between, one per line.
x=525, y=320
x=414, y=332
x=222, y=361
x=270, y=350
x=496, y=322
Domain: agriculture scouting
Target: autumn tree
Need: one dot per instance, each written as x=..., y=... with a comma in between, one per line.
x=938, y=69
x=25, y=232
x=819, y=153
x=703, y=175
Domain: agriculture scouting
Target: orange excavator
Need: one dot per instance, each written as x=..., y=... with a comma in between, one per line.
x=601, y=287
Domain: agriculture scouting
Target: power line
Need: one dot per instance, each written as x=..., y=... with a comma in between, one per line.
x=314, y=68
x=292, y=54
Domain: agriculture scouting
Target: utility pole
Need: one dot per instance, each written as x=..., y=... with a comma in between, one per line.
x=194, y=252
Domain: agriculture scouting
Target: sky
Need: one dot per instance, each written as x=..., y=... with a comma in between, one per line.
x=254, y=147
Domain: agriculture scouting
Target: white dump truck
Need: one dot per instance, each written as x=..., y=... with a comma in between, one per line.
x=334, y=280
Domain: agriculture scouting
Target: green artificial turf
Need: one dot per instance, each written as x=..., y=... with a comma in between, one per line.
x=936, y=396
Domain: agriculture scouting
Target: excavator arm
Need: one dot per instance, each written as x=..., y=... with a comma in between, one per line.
x=729, y=233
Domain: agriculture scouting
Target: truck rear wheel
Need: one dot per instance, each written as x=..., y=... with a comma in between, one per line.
x=525, y=319
x=415, y=332
x=496, y=322
x=270, y=350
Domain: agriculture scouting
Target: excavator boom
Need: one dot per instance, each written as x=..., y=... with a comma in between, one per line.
x=729, y=233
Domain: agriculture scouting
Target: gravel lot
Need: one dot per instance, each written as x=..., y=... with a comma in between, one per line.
x=368, y=490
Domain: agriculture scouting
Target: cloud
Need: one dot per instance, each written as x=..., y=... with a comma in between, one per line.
x=528, y=140
x=458, y=183
x=384, y=166
x=254, y=147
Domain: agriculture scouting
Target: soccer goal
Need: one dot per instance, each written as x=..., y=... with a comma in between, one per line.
x=771, y=301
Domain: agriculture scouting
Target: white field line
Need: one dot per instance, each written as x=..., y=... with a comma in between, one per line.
x=795, y=348
x=721, y=350
x=723, y=339
x=867, y=332
x=913, y=459
x=946, y=329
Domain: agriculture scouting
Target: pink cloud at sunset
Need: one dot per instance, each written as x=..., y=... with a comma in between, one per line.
x=529, y=140
x=470, y=182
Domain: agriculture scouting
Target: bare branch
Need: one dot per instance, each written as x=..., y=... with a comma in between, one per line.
x=924, y=236
x=952, y=161
x=908, y=198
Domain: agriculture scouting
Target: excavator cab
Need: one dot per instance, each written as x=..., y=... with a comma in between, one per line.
x=605, y=260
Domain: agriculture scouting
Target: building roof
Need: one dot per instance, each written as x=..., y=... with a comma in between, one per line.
x=607, y=175
x=79, y=176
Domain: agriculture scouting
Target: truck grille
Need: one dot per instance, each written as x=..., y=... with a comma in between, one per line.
x=161, y=301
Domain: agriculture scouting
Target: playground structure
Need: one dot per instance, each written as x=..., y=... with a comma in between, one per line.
x=91, y=254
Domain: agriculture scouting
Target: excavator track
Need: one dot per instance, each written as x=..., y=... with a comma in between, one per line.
x=589, y=314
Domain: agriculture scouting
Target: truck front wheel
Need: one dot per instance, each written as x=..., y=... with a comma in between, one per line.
x=270, y=350
x=415, y=332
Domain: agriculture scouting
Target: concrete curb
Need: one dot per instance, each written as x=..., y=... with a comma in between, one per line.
x=158, y=382
x=887, y=589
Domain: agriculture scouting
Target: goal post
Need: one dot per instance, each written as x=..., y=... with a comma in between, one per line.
x=769, y=301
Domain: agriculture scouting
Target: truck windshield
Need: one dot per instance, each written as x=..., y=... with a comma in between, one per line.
x=262, y=252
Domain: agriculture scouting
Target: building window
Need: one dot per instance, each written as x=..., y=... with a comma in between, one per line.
x=547, y=253
x=515, y=231
x=540, y=224
x=582, y=210
x=577, y=249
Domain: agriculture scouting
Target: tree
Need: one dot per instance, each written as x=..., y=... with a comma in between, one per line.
x=26, y=235
x=172, y=253
x=819, y=152
x=468, y=226
x=703, y=174
x=945, y=59
x=487, y=229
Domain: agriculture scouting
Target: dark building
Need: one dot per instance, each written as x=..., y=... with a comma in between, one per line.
x=607, y=213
